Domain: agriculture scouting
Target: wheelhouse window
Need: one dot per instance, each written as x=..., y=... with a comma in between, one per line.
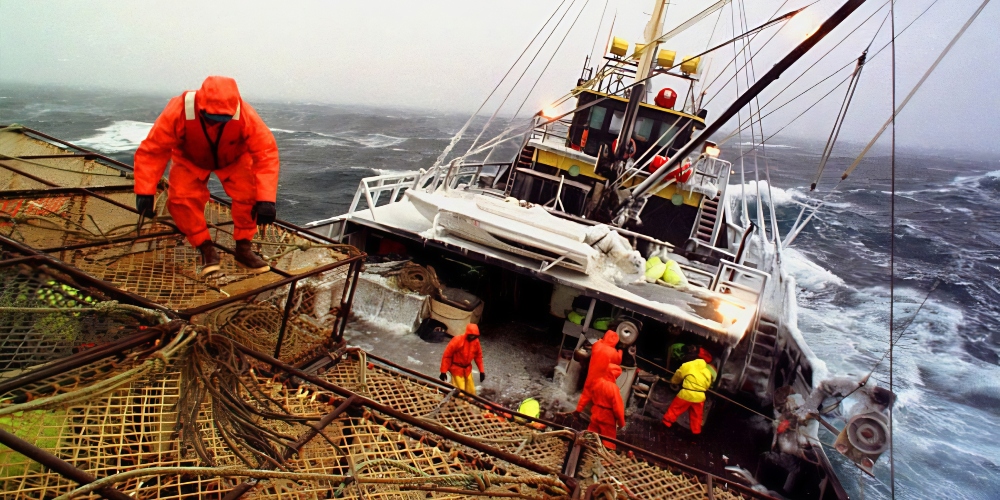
x=616, y=122
x=643, y=127
x=666, y=134
x=597, y=114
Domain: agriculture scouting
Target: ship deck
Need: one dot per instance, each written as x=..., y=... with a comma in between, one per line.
x=694, y=309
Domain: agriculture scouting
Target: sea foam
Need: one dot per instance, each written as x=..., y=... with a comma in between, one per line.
x=119, y=137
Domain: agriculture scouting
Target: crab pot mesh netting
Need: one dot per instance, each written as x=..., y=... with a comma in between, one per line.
x=164, y=270
x=194, y=404
x=598, y=465
x=314, y=314
x=44, y=316
x=49, y=221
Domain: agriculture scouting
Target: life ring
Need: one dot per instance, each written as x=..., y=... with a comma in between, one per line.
x=629, y=149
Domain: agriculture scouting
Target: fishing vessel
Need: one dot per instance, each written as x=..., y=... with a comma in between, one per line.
x=594, y=201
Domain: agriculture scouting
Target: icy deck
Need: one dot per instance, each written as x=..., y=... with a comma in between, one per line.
x=694, y=309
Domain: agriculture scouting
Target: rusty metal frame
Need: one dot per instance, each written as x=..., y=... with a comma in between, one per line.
x=572, y=458
x=404, y=423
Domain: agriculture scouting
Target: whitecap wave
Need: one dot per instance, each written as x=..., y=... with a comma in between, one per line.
x=769, y=145
x=377, y=140
x=119, y=137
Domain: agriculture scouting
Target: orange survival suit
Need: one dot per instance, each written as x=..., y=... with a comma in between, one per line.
x=242, y=153
x=457, y=359
x=602, y=355
x=608, y=412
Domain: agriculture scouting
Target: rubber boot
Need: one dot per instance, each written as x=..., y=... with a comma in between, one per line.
x=209, y=259
x=246, y=258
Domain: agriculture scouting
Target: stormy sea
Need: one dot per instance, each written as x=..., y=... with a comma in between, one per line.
x=947, y=226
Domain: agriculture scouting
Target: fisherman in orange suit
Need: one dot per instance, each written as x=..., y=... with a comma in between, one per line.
x=608, y=412
x=457, y=359
x=206, y=131
x=602, y=355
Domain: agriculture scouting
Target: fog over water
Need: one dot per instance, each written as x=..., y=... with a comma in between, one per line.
x=448, y=54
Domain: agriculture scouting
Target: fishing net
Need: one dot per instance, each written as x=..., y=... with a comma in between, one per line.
x=50, y=221
x=195, y=404
x=304, y=317
x=164, y=270
x=599, y=465
x=45, y=316
x=423, y=399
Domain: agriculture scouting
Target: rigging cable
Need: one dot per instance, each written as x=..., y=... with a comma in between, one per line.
x=525, y=71
x=916, y=87
x=852, y=61
x=818, y=60
x=468, y=122
x=544, y=69
x=892, y=249
x=597, y=32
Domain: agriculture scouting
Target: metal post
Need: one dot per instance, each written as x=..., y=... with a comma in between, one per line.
x=284, y=319
x=345, y=307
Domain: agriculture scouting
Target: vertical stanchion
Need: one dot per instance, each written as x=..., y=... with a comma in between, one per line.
x=284, y=319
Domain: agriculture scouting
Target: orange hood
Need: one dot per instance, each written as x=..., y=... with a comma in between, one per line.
x=610, y=338
x=219, y=96
x=614, y=371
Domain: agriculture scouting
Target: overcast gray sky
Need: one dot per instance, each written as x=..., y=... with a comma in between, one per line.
x=448, y=55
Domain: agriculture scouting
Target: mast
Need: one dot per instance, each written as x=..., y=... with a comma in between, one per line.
x=768, y=78
x=653, y=32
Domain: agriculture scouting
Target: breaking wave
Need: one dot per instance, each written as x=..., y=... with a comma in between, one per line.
x=344, y=139
x=119, y=137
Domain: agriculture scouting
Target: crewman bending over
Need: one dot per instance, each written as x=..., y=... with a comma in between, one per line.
x=695, y=377
x=458, y=358
x=608, y=412
x=205, y=131
x=602, y=355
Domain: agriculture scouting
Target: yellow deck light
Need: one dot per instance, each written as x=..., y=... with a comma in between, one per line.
x=689, y=66
x=665, y=58
x=638, y=51
x=619, y=46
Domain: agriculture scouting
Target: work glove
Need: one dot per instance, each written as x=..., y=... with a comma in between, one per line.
x=144, y=205
x=264, y=212
x=482, y=377
x=444, y=377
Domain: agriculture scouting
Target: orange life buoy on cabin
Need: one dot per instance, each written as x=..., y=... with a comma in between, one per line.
x=682, y=174
x=658, y=161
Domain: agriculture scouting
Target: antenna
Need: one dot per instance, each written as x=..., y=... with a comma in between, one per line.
x=892, y=249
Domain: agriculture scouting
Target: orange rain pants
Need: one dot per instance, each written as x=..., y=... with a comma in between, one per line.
x=188, y=194
x=677, y=408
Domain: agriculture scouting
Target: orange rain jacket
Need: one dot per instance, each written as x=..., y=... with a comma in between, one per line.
x=602, y=355
x=177, y=135
x=460, y=354
x=608, y=412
